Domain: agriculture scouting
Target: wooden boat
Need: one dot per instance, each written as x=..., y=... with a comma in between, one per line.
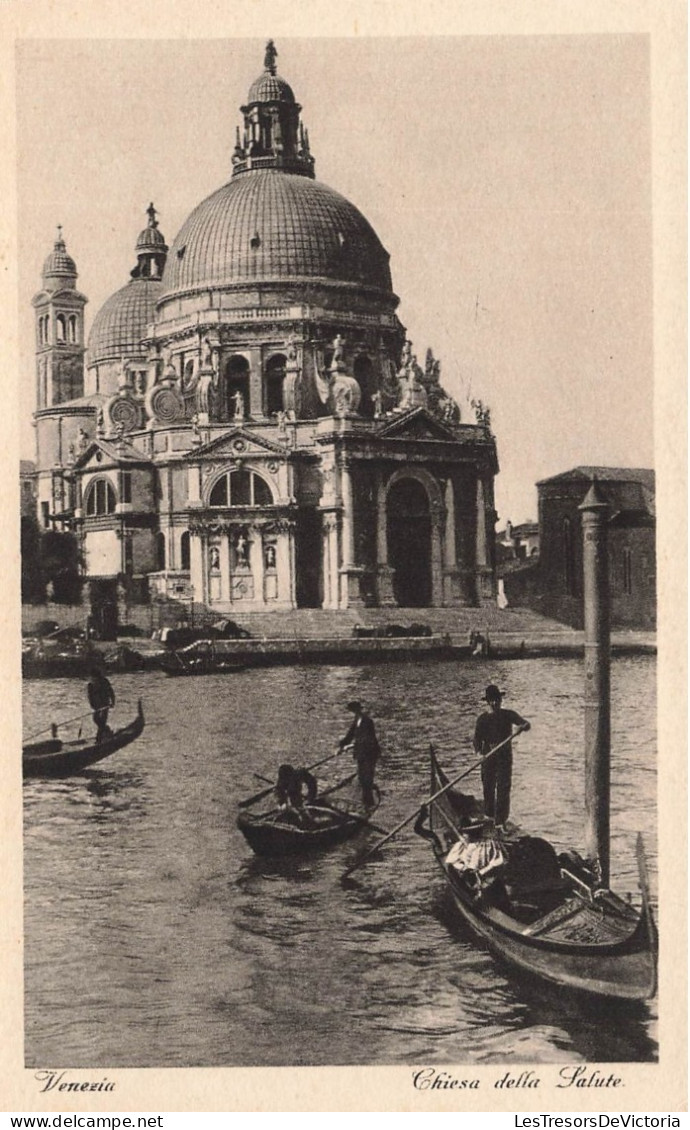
x=545, y=915
x=200, y=658
x=55, y=758
x=273, y=833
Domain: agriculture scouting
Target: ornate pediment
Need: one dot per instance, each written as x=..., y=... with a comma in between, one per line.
x=417, y=424
x=98, y=454
x=237, y=443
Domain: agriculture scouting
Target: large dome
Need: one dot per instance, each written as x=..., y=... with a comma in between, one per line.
x=269, y=225
x=121, y=322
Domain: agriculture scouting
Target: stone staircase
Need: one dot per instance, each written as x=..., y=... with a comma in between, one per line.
x=318, y=623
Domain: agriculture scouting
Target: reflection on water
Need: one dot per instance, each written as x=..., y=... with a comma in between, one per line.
x=154, y=937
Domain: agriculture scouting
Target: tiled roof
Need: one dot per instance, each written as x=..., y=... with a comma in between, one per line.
x=121, y=322
x=272, y=225
x=607, y=474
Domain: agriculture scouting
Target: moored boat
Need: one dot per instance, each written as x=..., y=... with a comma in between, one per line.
x=56, y=758
x=543, y=913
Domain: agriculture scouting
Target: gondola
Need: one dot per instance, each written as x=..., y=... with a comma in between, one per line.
x=273, y=833
x=541, y=912
x=55, y=758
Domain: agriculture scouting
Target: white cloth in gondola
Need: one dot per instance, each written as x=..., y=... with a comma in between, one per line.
x=482, y=856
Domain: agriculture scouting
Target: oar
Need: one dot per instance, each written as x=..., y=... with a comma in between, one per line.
x=265, y=792
x=429, y=800
x=66, y=722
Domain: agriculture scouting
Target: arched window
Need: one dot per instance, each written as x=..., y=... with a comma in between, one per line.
x=60, y=327
x=100, y=498
x=273, y=384
x=72, y=329
x=240, y=488
x=236, y=388
x=363, y=370
x=184, y=551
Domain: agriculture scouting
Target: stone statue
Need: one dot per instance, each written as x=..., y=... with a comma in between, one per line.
x=377, y=401
x=203, y=393
x=82, y=440
x=100, y=426
x=140, y=383
x=482, y=413
x=338, y=362
x=238, y=400
x=242, y=550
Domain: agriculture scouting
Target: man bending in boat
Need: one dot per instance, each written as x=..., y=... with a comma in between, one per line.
x=295, y=788
x=366, y=750
x=493, y=727
x=101, y=697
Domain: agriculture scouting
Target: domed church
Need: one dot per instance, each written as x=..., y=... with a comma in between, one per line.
x=248, y=426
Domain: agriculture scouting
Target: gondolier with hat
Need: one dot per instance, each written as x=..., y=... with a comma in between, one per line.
x=493, y=727
x=101, y=697
x=366, y=750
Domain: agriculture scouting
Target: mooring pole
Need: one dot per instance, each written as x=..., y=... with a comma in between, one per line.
x=595, y=511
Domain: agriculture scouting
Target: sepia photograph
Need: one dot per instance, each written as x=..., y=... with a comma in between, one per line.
x=339, y=596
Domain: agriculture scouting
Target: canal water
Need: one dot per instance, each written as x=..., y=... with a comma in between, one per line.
x=153, y=936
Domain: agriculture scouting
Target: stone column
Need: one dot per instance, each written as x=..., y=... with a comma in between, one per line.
x=256, y=564
x=224, y=556
x=452, y=594
x=197, y=572
x=349, y=572
x=384, y=573
x=438, y=517
x=485, y=573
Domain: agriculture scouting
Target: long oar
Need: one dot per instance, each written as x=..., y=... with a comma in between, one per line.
x=429, y=800
x=66, y=722
x=265, y=792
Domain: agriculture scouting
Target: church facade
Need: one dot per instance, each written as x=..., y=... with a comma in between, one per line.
x=248, y=426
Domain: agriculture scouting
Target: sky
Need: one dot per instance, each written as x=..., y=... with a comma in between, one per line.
x=508, y=177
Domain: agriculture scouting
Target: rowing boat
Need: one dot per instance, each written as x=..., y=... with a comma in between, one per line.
x=56, y=758
x=541, y=912
x=275, y=833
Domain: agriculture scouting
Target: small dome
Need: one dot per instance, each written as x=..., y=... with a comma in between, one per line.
x=121, y=322
x=151, y=239
x=268, y=225
x=270, y=88
x=59, y=264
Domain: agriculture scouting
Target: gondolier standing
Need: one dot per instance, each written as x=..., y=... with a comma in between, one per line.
x=493, y=727
x=101, y=697
x=365, y=750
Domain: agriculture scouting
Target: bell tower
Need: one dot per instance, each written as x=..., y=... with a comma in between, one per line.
x=59, y=330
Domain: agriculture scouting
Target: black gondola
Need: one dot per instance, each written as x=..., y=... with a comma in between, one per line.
x=546, y=916
x=55, y=758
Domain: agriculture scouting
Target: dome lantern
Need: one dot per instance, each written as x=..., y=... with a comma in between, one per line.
x=151, y=250
x=274, y=137
x=59, y=269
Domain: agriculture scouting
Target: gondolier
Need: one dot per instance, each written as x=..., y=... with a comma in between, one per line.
x=365, y=750
x=101, y=697
x=493, y=727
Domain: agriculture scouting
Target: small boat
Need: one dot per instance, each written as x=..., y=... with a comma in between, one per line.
x=541, y=912
x=200, y=658
x=273, y=833
x=55, y=758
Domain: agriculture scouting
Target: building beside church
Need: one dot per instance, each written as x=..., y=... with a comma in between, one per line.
x=248, y=426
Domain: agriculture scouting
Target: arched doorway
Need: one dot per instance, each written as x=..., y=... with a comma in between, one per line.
x=236, y=391
x=408, y=521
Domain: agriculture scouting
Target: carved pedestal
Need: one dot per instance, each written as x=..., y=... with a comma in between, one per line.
x=350, y=587
x=384, y=586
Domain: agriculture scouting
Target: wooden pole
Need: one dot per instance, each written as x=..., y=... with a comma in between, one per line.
x=594, y=512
